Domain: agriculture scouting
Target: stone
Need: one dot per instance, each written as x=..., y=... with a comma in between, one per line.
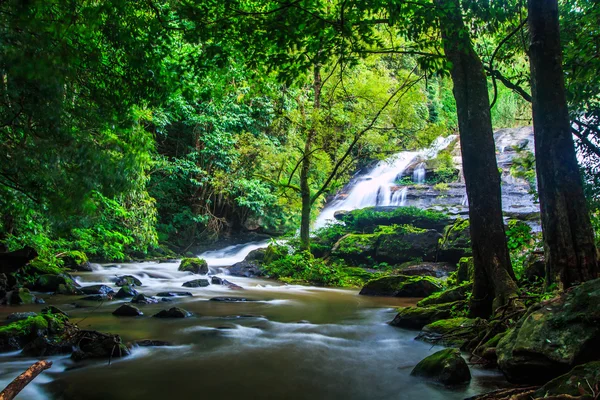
x=553, y=336
x=194, y=265
x=141, y=298
x=465, y=270
x=128, y=280
x=456, y=242
x=418, y=317
x=408, y=245
x=583, y=380
x=535, y=267
x=78, y=263
x=448, y=296
x=215, y=280
x=246, y=269
x=97, y=289
x=18, y=316
x=174, y=312
x=97, y=297
x=433, y=269
x=446, y=366
x=126, y=292
x=453, y=332
x=127, y=310
x=173, y=294
x=356, y=248
x=230, y=299
x=151, y=343
x=401, y=286
x=196, y=283
x=20, y=296
x=51, y=283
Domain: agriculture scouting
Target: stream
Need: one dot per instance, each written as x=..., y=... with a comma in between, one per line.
x=293, y=342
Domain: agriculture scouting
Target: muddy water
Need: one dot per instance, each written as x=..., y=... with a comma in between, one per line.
x=291, y=342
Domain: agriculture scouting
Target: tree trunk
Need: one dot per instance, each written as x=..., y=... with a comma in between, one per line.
x=568, y=234
x=494, y=278
x=305, y=192
x=19, y=383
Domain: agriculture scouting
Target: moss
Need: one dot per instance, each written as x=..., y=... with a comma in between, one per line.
x=401, y=286
x=275, y=252
x=367, y=219
x=40, y=267
x=418, y=317
x=25, y=326
x=446, y=366
x=493, y=342
x=447, y=325
x=447, y=296
x=194, y=265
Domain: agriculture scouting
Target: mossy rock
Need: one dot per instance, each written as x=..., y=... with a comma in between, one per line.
x=446, y=366
x=418, y=317
x=275, y=252
x=465, y=271
x=456, y=242
x=356, y=248
x=17, y=334
x=126, y=292
x=20, y=296
x=61, y=284
x=453, y=332
x=194, y=265
x=407, y=246
x=553, y=336
x=129, y=280
x=368, y=219
x=575, y=383
x=401, y=286
x=448, y=295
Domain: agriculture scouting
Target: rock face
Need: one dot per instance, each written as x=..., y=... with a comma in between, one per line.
x=446, y=366
x=194, y=265
x=407, y=246
x=553, y=336
x=174, y=312
x=401, y=286
x=418, y=317
x=196, y=283
x=127, y=310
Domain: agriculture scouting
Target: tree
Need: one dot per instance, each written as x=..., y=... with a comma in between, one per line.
x=494, y=279
x=568, y=235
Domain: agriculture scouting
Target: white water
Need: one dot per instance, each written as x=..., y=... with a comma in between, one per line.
x=375, y=187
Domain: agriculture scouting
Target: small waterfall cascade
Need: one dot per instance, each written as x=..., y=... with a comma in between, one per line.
x=377, y=186
x=419, y=173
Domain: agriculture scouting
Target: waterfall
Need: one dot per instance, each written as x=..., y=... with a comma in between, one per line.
x=419, y=173
x=375, y=187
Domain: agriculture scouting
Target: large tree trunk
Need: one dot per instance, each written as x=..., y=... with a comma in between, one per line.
x=494, y=278
x=568, y=234
x=305, y=192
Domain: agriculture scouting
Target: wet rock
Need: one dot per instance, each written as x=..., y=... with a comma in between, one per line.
x=418, y=317
x=51, y=283
x=68, y=289
x=247, y=269
x=151, y=343
x=401, y=286
x=126, y=292
x=448, y=296
x=127, y=310
x=23, y=331
x=553, y=336
x=408, y=245
x=582, y=380
x=97, y=289
x=433, y=269
x=54, y=310
x=456, y=242
x=453, y=332
x=215, y=280
x=196, y=283
x=256, y=255
x=93, y=344
x=128, y=280
x=112, y=266
x=80, y=264
x=166, y=299
x=18, y=316
x=230, y=299
x=141, y=298
x=174, y=312
x=194, y=265
x=173, y=294
x=19, y=296
x=465, y=270
x=39, y=300
x=446, y=366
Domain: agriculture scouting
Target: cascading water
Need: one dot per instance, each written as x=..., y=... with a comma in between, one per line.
x=375, y=188
x=419, y=173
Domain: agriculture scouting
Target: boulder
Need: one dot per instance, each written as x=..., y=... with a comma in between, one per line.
x=174, y=312
x=356, y=248
x=367, y=219
x=141, y=298
x=23, y=331
x=448, y=296
x=196, y=283
x=409, y=244
x=128, y=280
x=18, y=316
x=194, y=265
x=215, y=280
x=97, y=297
x=256, y=255
x=127, y=310
x=456, y=242
x=418, y=317
x=173, y=294
x=247, y=269
x=446, y=366
x=433, y=269
x=77, y=262
x=230, y=299
x=401, y=286
x=96, y=289
x=20, y=296
x=553, y=336
x=151, y=343
x=465, y=270
x=126, y=292
x=453, y=332
x=93, y=344
x=583, y=380
x=52, y=283
x=535, y=267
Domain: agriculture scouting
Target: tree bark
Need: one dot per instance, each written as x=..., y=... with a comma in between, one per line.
x=305, y=192
x=15, y=387
x=494, y=278
x=568, y=235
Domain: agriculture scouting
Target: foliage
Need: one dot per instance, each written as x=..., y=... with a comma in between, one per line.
x=369, y=218
x=523, y=166
x=521, y=242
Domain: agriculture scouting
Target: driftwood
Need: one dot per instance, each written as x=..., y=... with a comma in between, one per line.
x=22, y=380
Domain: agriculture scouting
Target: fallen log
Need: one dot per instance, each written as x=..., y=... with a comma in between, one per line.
x=13, y=388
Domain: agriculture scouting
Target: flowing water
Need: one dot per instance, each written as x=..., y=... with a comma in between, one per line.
x=289, y=342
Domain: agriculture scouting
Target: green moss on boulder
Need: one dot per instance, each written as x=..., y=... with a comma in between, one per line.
x=446, y=366
x=418, y=317
x=401, y=286
x=448, y=296
x=456, y=242
x=356, y=248
x=368, y=219
x=580, y=381
x=407, y=245
x=454, y=332
x=194, y=265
